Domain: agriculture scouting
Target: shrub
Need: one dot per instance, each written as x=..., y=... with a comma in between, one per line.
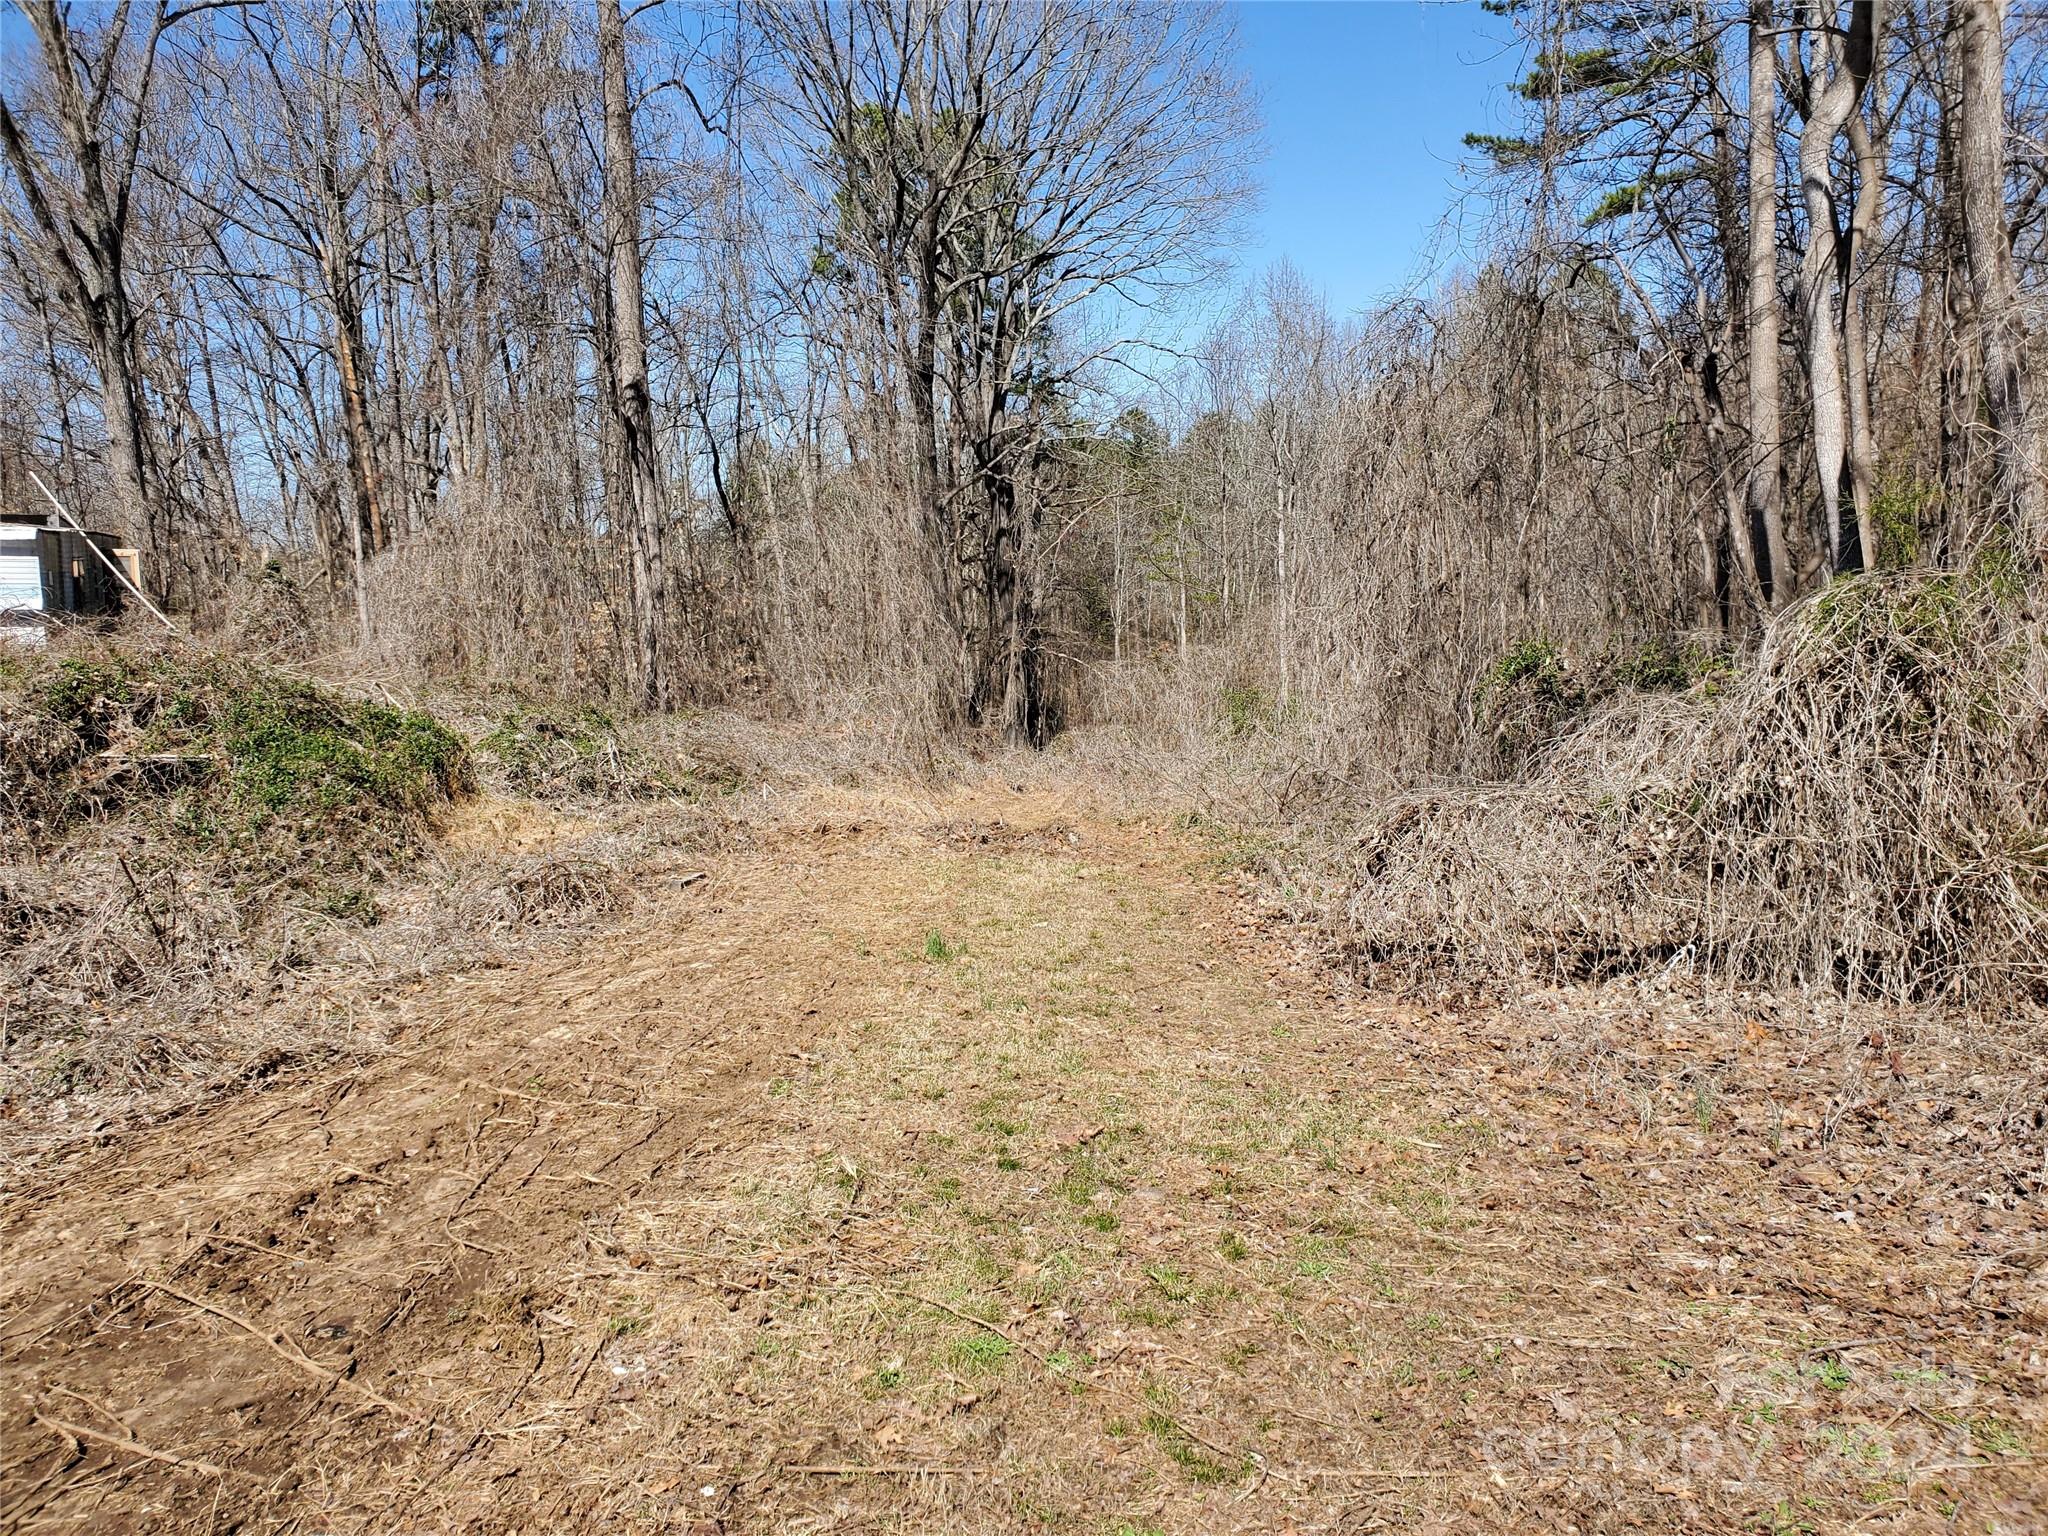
x=1668, y=664
x=1246, y=708
x=1525, y=699
x=1897, y=513
x=1537, y=667
x=1863, y=807
x=583, y=752
x=190, y=833
x=271, y=614
x=287, y=776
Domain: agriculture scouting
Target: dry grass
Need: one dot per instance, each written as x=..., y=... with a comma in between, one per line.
x=160, y=951
x=1861, y=809
x=215, y=871
x=124, y=1010
x=972, y=1161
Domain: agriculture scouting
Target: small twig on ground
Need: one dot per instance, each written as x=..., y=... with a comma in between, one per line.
x=163, y=943
x=589, y=1359
x=534, y=1098
x=891, y=1469
x=1369, y=1474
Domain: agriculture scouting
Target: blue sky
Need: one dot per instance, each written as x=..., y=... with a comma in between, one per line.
x=1366, y=103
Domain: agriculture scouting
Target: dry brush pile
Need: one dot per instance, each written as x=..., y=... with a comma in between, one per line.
x=1864, y=807
x=182, y=834
x=213, y=868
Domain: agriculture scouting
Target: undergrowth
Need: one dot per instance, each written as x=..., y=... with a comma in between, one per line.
x=548, y=750
x=183, y=832
x=214, y=865
x=226, y=757
x=1862, y=808
x=1535, y=694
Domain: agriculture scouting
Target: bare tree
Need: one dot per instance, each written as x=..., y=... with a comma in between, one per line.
x=78, y=189
x=1765, y=493
x=633, y=483
x=2008, y=401
x=1830, y=94
x=991, y=177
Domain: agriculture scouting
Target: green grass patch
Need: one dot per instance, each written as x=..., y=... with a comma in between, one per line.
x=1185, y=1452
x=981, y=1352
x=559, y=750
x=293, y=782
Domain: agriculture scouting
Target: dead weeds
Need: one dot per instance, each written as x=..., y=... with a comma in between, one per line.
x=219, y=870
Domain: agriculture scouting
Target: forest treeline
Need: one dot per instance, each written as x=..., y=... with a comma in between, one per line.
x=808, y=351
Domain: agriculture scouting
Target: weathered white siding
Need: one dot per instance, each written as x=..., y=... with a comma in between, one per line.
x=21, y=575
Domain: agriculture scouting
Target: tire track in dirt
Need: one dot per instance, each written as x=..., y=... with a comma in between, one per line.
x=245, y=1286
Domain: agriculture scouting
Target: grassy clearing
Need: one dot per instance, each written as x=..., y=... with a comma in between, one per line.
x=1119, y=1181
x=1122, y=1216
x=1218, y=1243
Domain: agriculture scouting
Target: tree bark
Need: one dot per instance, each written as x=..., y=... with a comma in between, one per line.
x=1765, y=493
x=2016, y=431
x=637, y=504
x=1720, y=517
x=1856, y=300
x=349, y=350
x=1842, y=66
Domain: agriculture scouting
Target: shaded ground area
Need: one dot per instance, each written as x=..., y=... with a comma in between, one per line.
x=986, y=1164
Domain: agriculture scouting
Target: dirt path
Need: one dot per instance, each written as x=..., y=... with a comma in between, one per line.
x=982, y=1165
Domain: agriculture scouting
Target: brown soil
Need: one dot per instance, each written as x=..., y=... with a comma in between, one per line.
x=983, y=1162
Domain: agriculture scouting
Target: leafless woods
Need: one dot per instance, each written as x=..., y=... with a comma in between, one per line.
x=808, y=351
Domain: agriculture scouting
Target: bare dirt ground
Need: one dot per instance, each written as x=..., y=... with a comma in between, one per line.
x=985, y=1163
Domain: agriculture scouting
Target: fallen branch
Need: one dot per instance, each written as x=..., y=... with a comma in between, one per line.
x=291, y=1354
x=534, y=1098
x=78, y=1432
x=1371, y=1474
x=890, y=1469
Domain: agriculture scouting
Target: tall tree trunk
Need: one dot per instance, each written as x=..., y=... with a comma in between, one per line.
x=1014, y=642
x=947, y=574
x=637, y=503
x=398, y=508
x=1734, y=561
x=349, y=349
x=1957, y=401
x=126, y=473
x=1721, y=515
x=1841, y=68
x=1116, y=578
x=1857, y=281
x=96, y=290
x=2015, y=427
x=59, y=394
